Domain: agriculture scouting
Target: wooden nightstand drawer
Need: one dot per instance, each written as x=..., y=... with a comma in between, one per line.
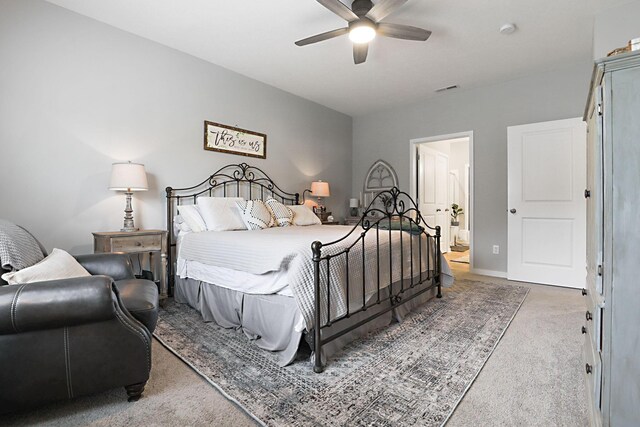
x=136, y=243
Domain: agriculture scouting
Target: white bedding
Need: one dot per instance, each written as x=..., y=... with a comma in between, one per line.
x=255, y=251
x=287, y=252
x=273, y=282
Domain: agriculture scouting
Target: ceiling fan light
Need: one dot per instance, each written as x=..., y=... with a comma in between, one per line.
x=362, y=34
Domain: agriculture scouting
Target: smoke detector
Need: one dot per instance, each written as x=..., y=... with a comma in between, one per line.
x=507, y=28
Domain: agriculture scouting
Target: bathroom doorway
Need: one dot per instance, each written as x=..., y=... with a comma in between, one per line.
x=442, y=183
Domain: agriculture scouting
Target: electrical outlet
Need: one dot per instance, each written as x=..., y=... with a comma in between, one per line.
x=496, y=249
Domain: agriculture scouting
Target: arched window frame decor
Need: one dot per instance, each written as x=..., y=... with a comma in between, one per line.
x=380, y=177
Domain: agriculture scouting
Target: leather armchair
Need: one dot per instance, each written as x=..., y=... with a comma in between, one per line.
x=66, y=338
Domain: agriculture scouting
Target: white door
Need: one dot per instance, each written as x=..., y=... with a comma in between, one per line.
x=433, y=191
x=547, y=209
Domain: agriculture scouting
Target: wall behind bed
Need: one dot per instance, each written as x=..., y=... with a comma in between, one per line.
x=77, y=95
x=557, y=94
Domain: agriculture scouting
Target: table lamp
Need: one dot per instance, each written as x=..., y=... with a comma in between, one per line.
x=320, y=189
x=128, y=177
x=354, y=204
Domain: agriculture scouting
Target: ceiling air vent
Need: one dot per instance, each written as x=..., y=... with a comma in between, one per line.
x=442, y=89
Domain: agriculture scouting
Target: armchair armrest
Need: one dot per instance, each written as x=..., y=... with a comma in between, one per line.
x=117, y=266
x=56, y=304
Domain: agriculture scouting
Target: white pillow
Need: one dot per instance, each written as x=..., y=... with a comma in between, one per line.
x=192, y=218
x=180, y=227
x=282, y=215
x=255, y=214
x=302, y=215
x=221, y=213
x=58, y=265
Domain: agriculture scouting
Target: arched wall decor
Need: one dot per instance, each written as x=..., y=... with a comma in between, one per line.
x=380, y=177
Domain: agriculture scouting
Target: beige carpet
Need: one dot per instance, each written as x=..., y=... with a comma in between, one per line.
x=533, y=378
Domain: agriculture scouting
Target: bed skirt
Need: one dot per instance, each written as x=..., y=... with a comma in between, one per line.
x=274, y=322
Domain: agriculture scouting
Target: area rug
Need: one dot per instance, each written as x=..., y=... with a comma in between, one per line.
x=463, y=259
x=412, y=373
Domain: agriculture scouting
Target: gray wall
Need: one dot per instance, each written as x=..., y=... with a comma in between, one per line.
x=487, y=111
x=614, y=27
x=77, y=95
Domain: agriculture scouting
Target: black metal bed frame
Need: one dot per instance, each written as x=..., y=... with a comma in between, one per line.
x=394, y=208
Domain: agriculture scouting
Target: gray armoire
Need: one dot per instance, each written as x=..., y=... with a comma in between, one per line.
x=612, y=317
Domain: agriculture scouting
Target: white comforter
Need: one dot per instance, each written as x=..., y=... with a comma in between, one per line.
x=289, y=249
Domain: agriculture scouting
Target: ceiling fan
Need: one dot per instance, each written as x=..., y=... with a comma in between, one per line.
x=364, y=23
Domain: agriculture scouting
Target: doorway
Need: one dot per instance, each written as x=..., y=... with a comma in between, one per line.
x=442, y=184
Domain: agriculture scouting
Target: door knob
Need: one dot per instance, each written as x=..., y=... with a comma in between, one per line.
x=512, y=210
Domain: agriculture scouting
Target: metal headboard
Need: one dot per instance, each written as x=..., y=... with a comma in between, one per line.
x=233, y=180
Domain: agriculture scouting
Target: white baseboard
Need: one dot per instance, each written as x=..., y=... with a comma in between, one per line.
x=492, y=273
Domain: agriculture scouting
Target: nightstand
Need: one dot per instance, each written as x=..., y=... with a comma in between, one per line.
x=330, y=222
x=137, y=242
x=352, y=220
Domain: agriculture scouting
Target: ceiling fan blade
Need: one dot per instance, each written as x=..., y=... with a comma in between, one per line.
x=339, y=9
x=383, y=8
x=360, y=51
x=322, y=37
x=404, y=32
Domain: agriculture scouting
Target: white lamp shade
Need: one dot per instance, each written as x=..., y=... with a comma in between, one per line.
x=354, y=203
x=128, y=177
x=320, y=189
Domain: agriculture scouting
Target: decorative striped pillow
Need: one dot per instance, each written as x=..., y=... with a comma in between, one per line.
x=282, y=215
x=255, y=214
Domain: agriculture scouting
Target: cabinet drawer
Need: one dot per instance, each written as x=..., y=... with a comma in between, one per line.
x=136, y=243
x=593, y=323
x=592, y=371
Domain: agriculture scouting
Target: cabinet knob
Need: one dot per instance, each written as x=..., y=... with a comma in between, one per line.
x=588, y=368
x=438, y=210
x=588, y=316
x=584, y=330
x=584, y=292
x=138, y=243
x=513, y=210
x=587, y=194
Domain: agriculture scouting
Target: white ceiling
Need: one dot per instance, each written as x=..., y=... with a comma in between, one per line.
x=255, y=38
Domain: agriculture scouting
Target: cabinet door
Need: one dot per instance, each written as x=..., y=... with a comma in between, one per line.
x=595, y=196
x=623, y=299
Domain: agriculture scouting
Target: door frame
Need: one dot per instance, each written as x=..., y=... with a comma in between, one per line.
x=413, y=146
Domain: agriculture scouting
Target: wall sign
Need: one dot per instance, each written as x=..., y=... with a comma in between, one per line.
x=227, y=139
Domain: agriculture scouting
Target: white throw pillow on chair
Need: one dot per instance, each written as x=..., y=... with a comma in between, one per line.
x=58, y=265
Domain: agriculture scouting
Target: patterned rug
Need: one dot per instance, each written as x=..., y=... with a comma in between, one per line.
x=413, y=373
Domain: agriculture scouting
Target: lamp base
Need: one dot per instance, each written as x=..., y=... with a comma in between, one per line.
x=128, y=215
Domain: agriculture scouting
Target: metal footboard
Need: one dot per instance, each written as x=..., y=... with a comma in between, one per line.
x=399, y=212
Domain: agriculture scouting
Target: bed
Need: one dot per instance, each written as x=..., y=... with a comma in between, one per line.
x=319, y=284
